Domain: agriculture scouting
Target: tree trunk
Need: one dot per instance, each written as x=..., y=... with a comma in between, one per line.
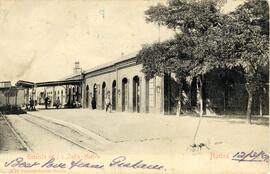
x=261, y=105
x=200, y=80
x=201, y=103
x=250, y=99
x=169, y=93
x=261, y=94
x=180, y=99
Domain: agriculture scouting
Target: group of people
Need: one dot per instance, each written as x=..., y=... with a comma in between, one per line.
x=32, y=104
x=47, y=102
x=57, y=103
x=107, y=101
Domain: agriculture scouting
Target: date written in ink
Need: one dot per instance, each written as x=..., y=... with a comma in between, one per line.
x=251, y=156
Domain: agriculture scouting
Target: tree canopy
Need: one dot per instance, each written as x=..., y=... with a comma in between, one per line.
x=207, y=39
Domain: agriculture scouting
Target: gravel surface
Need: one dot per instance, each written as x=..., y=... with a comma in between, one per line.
x=8, y=141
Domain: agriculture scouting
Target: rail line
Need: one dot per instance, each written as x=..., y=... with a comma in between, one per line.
x=74, y=142
x=16, y=134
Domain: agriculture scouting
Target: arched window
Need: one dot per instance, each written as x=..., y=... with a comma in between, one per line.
x=114, y=95
x=103, y=95
x=136, y=94
x=124, y=94
x=87, y=96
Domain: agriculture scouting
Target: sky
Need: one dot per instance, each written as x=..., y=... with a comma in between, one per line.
x=41, y=40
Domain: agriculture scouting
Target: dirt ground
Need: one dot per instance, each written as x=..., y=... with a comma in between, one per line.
x=8, y=141
x=155, y=139
x=151, y=134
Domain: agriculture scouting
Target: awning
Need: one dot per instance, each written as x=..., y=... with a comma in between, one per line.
x=26, y=84
x=59, y=83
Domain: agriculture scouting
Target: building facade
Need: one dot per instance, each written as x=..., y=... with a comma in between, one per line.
x=67, y=91
x=124, y=83
x=220, y=92
x=223, y=91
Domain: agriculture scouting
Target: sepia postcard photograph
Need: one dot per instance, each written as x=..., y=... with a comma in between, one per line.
x=134, y=86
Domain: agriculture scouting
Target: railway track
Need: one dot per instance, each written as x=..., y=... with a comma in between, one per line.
x=72, y=135
x=75, y=136
x=22, y=142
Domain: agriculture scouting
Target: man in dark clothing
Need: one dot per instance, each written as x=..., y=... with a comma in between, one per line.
x=93, y=103
x=57, y=103
x=31, y=104
x=46, y=100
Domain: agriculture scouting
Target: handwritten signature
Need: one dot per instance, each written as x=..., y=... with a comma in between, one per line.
x=252, y=156
x=118, y=162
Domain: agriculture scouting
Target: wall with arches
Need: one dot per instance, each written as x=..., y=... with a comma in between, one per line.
x=98, y=81
x=126, y=87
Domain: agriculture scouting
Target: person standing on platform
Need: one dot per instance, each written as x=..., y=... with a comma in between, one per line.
x=108, y=103
x=46, y=100
x=57, y=103
x=31, y=104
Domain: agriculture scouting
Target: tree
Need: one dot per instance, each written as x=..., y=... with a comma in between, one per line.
x=180, y=55
x=209, y=41
x=252, y=42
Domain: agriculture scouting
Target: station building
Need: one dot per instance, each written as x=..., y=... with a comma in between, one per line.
x=221, y=92
x=126, y=86
x=123, y=81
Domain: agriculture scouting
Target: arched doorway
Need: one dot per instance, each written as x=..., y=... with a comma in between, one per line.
x=124, y=94
x=87, y=96
x=73, y=95
x=114, y=95
x=53, y=97
x=94, y=100
x=78, y=94
x=136, y=94
x=62, y=97
x=103, y=95
x=69, y=97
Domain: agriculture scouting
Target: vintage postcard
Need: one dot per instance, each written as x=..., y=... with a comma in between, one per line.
x=134, y=86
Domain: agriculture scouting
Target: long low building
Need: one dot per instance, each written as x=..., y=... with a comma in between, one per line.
x=220, y=92
x=123, y=81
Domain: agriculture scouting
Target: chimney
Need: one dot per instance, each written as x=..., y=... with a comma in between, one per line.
x=77, y=69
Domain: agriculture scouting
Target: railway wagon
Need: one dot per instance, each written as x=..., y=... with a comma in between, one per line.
x=11, y=98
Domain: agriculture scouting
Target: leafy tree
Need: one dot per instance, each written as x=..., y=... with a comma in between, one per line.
x=206, y=40
x=181, y=54
x=249, y=34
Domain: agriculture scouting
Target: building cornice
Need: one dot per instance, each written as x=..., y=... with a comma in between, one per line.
x=112, y=68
